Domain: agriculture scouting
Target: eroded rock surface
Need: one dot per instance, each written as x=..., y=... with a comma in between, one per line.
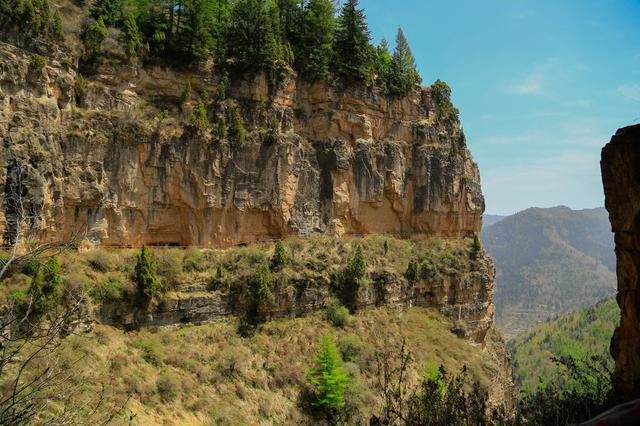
x=99, y=157
x=621, y=178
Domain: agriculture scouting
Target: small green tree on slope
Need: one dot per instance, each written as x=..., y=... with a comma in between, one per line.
x=328, y=378
x=145, y=274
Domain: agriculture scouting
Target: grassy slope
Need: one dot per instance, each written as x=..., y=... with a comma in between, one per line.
x=209, y=375
x=583, y=333
x=549, y=261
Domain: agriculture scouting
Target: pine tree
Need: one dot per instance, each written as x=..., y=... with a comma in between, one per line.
x=261, y=285
x=56, y=25
x=93, y=36
x=313, y=53
x=131, y=36
x=357, y=266
x=109, y=10
x=353, y=53
x=198, y=117
x=328, y=377
x=403, y=75
x=280, y=257
x=236, y=128
x=145, y=275
x=196, y=32
x=413, y=272
x=383, y=63
x=255, y=39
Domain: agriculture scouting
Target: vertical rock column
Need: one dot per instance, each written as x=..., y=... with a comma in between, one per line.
x=620, y=166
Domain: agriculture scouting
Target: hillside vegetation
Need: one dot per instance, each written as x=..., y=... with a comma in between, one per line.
x=549, y=261
x=581, y=335
x=209, y=375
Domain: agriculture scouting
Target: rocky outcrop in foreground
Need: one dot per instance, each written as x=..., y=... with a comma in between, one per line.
x=621, y=178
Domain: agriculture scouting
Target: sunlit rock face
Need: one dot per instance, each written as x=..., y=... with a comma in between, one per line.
x=621, y=178
x=102, y=159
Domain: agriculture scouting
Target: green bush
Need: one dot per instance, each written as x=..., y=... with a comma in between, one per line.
x=185, y=96
x=426, y=269
x=350, y=280
x=220, y=278
x=328, y=379
x=100, y=260
x=272, y=134
x=168, y=386
x=236, y=129
x=412, y=273
x=37, y=62
x=441, y=95
x=280, y=257
x=130, y=37
x=350, y=347
x=356, y=265
x=476, y=246
x=193, y=261
x=46, y=287
x=80, y=87
x=108, y=291
x=261, y=285
x=169, y=267
x=221, y=128
x=198, y=117
x=145, y=275
x=56, y=25
x=221, y=89
x=93, y=35
x=337, y=315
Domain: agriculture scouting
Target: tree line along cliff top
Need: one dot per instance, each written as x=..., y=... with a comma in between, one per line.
x=316, y=38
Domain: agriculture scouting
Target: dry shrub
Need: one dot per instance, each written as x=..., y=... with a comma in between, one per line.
x=100, y=260
x=168, y=385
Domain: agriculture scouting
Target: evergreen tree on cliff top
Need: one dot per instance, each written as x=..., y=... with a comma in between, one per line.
x=313, y=53
x=255, y=38
x=109, y=10
x=353, y=53
x=403, y=73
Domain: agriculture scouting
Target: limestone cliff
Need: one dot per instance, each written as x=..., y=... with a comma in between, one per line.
x=112, y=156
x=621, y=178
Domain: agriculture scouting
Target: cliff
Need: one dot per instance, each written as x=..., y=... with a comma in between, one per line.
x=112, y=156
x=621, y=178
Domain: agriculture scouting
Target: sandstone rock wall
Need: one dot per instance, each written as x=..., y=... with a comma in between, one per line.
x=98, y=158
x=621, y=178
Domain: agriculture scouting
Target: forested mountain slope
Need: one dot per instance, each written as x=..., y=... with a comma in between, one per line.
x=549, y=261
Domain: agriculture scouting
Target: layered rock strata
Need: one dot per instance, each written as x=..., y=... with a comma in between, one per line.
x=113, y=158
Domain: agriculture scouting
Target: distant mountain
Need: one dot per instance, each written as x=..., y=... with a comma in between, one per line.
x=490, y=219
x=549, y=261
x=580, y=334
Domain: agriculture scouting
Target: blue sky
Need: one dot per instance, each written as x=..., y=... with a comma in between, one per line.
x=541, y=86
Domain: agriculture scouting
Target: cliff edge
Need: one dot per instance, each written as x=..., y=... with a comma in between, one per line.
x=621, y=178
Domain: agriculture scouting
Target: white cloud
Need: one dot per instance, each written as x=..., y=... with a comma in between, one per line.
x=631, y=91
x=531, y=85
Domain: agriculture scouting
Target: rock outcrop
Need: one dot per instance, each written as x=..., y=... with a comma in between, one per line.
x=621, y=178
x=464, y=294
x=113, y=157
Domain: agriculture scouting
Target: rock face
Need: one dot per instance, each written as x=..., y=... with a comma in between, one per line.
x=463, y=294
x=621, y=178
x=99, y=157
